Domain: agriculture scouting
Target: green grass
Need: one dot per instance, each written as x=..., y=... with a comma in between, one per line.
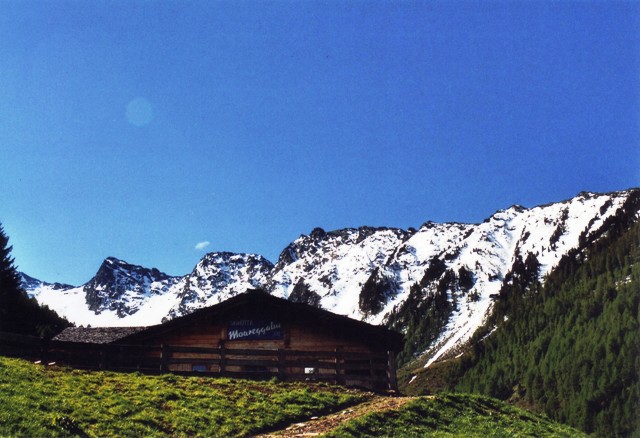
x=50, y=402
x=56, y=402
x=424, y=381
x=455, y=415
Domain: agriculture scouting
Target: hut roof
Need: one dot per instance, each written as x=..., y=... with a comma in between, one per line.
x=96, y=335
x=253, y=304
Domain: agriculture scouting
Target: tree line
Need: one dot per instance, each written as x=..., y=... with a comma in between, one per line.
x=18, y=312
x=570, y=347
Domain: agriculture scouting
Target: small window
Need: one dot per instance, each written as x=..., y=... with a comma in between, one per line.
x=311, y=374
x=199, y=368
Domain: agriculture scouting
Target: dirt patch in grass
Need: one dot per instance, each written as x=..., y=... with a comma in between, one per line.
x=320, y=425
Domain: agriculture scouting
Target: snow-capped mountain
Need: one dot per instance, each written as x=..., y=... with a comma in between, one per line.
x=121, y=294
x=330, y=269
x=219, y=276
x=31, y=284
x=123, y=288
x=369, y=273
x=438, y=284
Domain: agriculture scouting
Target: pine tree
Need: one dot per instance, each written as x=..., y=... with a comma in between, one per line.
x=18, y=312
x=10, y=290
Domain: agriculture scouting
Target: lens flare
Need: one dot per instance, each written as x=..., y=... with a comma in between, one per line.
x=139, y=112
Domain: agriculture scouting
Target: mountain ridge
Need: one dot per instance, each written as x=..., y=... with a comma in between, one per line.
x=448, y=274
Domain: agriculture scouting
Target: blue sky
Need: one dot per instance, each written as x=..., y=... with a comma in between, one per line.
x=140, y=129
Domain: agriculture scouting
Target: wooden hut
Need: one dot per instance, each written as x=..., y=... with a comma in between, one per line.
x=256, y=335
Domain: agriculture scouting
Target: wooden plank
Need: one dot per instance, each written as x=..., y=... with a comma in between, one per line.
x=364, y=356
x=135, y=358
x=339, y=361
x=308, y=353
x=223, y=360
x=391, y=371
x=165, y=355
x=310, y=364
x=325, y=353
x=252, y=362
x=347, y=355
x=251, y=352
x=200, y=350
x=365, y=366
x=281, y=363
x=264, y=345
x=193, y=361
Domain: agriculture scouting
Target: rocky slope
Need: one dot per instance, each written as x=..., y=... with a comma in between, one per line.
x=121, y=287
x=437, y=284
x=387, y=275
x=121, y=294
x=219, y=276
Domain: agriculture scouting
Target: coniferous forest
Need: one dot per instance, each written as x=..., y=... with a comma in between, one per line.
x=570, y=348
x=18, y=312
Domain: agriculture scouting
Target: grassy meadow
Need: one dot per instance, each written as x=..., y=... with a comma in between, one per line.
x=59, y=402
x=455, y=415
x=51, y=402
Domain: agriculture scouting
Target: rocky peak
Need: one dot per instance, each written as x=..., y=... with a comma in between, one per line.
x=327, y=267
x=29, y=284
x=116, y=278
x=113, y=270
x=221, y=275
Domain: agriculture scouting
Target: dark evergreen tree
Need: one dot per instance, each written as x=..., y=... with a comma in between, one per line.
x=18, y=312
x=570, y=347
x=9, y=279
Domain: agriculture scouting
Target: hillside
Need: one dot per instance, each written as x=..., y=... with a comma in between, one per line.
x=454, y=415
x=570, y=347
x=55, y=402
